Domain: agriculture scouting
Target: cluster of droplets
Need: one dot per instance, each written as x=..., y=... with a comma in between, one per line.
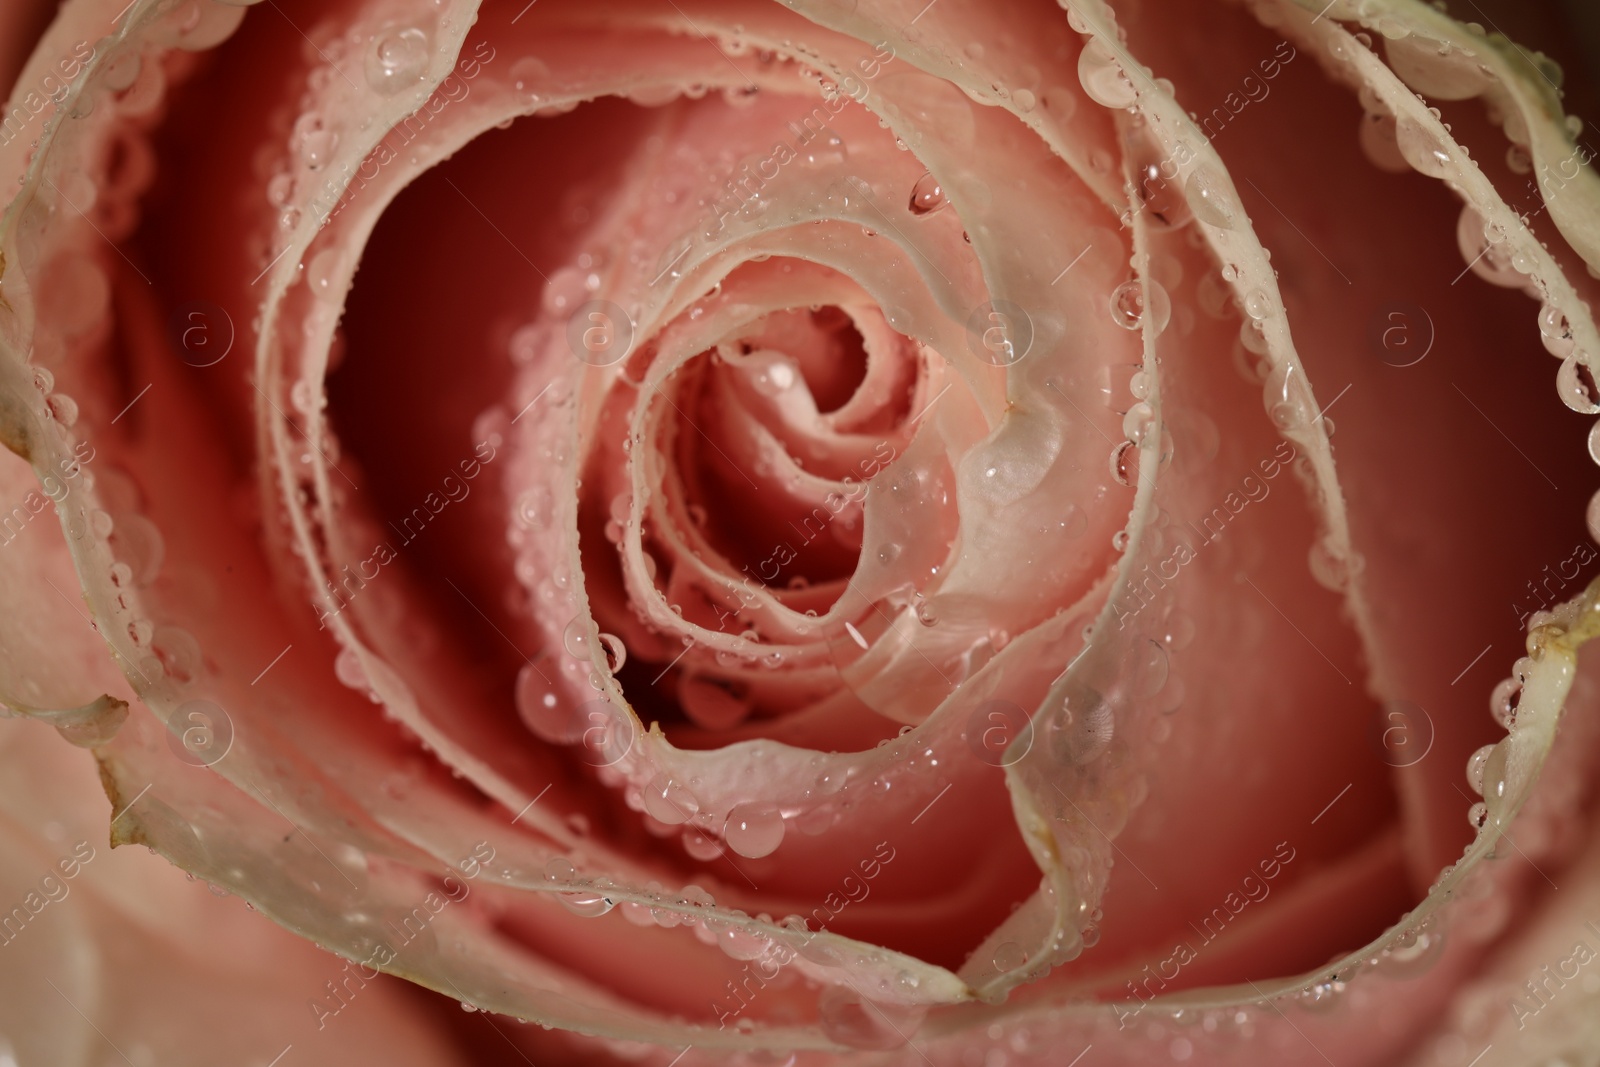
x=1500, y=250
x=393, y=59
x=1139, y=421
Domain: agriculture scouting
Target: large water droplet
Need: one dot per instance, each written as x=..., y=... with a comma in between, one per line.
x=851, y=1021
x=754, y=829
x=1127, y=304
x=1555, y=331
x=1161, y=196
x=1422, y=148
x=1487, y=257
x=1475, y=764
x=1210, y=200
x=1136, y=424
x=1575, y=383
x=397, y=59
x=1081, y=727
x=1103, y=78
x=667, y=801
x=547, y=715
x=587, y=903
x=1504, y=700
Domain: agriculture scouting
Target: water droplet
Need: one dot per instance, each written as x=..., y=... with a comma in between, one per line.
x=314, y=140
x=1009, y=956
x=926, y=196
x=1475, y=764
x=1210, y=200
x=397, y=59
x=546, y=714
x=350, y=671
x=701, y=844
x=1081, y=728
x=1103, y=78
x=1025, y=100
x=1119, y=540
x=1127, y=304
x=1555, y=331
x=1503, y=702
x=1485, y=251
x=1124, y=465
x=850, y=1020
x=1136, y=424
x=62, y=408
x=529, y=74
x=754, y=829
x=1288, y=398
x=1257, y=304
x=1576, y=385
x=742, y=944
x=575, y=638
x=667, y=801
x=1161, y=196
x=1422, y=148
x=616, y=652
x=1478, y=815
x=565, y=290
x=587, y=903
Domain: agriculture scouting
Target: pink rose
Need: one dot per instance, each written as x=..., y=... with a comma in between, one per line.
x=753, y=533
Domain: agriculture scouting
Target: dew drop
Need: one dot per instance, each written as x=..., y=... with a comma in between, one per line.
x=1576, y=384
x=314, y=140
x=1009, y=956
x=586, y=903
x=1127, y=304
x=528, y=75
x=1210, y=200
x=1503, y=702
x=347, y=667
x=1475, y=768
x=926, y=196
x=1124, y=465
x=1488, y=258
x=547, y=715
x=1380, y=144
x=397, y=59
x=565, y=290
x=1103, y=78
x=575, y=638
x=754, y=829
x=1422, y=148
x=62, y=408
x=701, y=845
x=1555, y=331
x=1082, y=726
x=1161, y=199
x=1137, y=423
x=667, y=801
x=616, y=652
x=1257, y=304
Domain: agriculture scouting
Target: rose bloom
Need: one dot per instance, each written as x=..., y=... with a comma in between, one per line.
x=814, y=533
